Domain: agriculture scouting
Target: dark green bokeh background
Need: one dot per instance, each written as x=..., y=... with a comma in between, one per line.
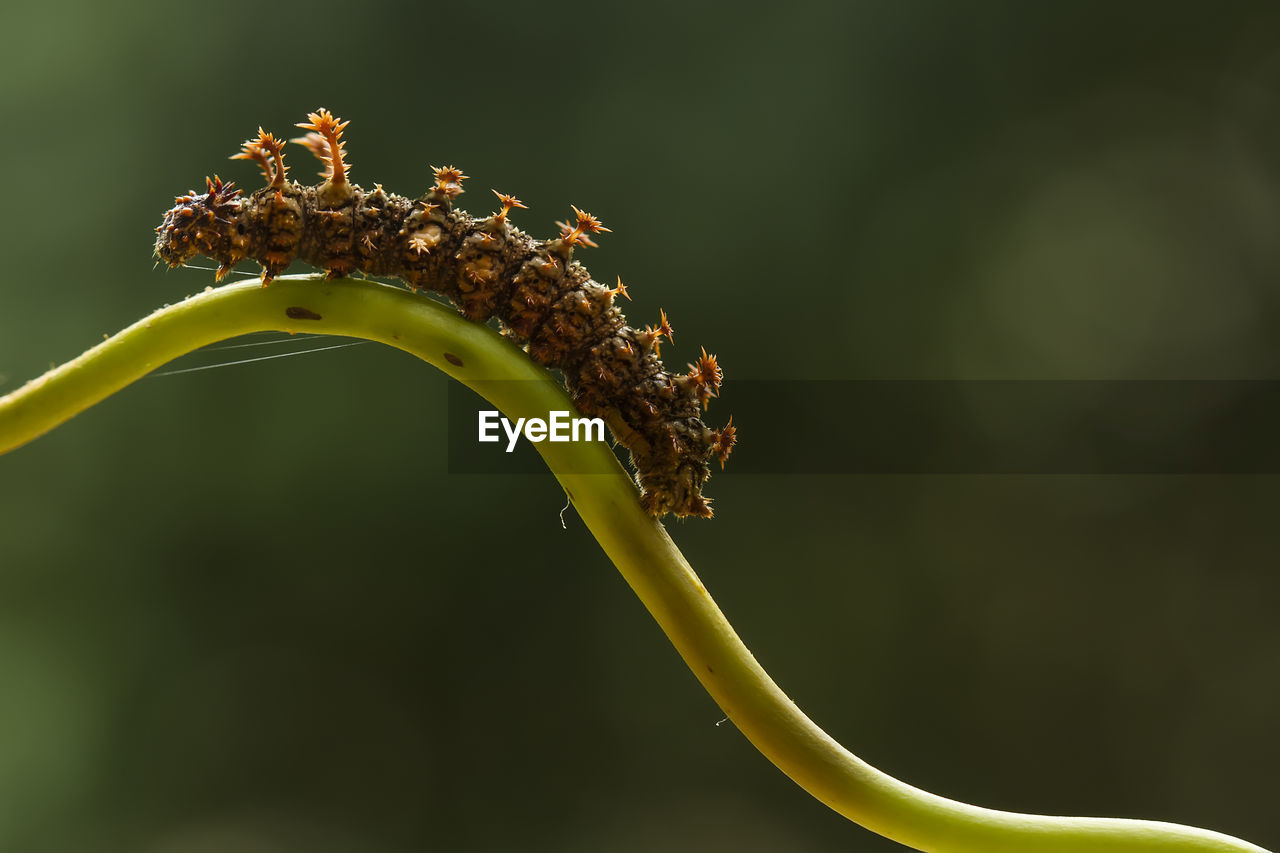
x=247, y=609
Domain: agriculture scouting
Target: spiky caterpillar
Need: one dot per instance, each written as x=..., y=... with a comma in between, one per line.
x=546, y=301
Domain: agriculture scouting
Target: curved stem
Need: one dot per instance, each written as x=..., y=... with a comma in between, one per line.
x=607, y=502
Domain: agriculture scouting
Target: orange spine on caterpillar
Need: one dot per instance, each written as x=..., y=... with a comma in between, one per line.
x=546, y=301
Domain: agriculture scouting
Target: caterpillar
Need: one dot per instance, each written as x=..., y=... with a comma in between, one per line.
x=545, y=300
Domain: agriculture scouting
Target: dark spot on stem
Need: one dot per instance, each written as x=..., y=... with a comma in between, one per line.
x=453, y=359
x=710, y=670
x=297, y=312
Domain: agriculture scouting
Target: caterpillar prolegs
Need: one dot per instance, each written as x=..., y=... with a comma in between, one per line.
x=546, y=301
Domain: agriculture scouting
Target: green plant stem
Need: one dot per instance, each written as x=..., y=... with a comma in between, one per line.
x=638, y=545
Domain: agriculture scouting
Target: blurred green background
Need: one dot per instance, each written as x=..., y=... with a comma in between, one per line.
x=247, y=609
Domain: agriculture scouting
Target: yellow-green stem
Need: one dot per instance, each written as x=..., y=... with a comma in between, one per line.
x=638, y=545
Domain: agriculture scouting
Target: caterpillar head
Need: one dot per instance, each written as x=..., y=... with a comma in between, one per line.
x=200, y=224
